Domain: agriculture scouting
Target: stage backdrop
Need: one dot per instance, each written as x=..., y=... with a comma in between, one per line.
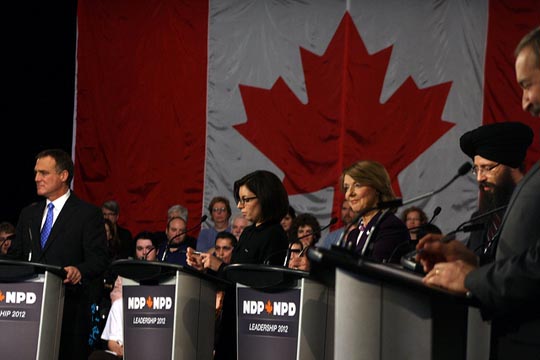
x=175, y=100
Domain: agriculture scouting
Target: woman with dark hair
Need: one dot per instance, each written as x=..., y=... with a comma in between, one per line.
x=305, y=230
x=263, y=200
x=377, y=233
x=288, y=219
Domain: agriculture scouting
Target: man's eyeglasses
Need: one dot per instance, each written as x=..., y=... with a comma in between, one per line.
x=484, y=169
x=222, y=209
x=107, y=214
x=245, y=200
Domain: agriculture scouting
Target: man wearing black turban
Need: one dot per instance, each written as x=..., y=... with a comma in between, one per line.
x=498, y=151
x=507, y=289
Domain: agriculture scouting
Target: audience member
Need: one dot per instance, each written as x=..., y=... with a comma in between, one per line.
x=174, y=249
x=347, y=218
x=238, y=225
x=224, y=246
x=414, y=218
x=113, y=333
x=498, y=151
x=65, y=231
x=7, y=234
x=508, y=288
x=263, y=200
x=113, y=241
x=287, y=220
x=176, y=210
x=111, y=211
x=306, y=229
x=220, y=212
x=378, y=232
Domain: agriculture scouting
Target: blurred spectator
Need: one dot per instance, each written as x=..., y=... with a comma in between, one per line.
x=111, y=211
x=347, y=218
x=220, y=213
x=287, y=220
x=7, y=233
x=239, y=222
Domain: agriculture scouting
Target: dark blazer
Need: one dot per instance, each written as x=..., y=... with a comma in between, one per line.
x=258, y=244
x=509, y=288
x=77, y=239
x=386, y=233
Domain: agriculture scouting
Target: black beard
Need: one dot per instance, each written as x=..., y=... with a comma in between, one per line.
x=500, y=195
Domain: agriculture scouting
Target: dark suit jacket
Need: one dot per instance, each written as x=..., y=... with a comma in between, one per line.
x=388, y=234
x=77, y=239
x=509, y=288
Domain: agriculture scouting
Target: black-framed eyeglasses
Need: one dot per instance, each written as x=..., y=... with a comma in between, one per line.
x=245, y=200
x=483, y=169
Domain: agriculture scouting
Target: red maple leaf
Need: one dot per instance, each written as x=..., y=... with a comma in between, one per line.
x=268, y=307
x=343, y=120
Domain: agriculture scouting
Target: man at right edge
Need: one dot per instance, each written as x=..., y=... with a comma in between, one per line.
x=507, y=289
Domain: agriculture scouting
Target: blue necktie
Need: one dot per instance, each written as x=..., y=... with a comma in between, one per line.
x=47, y=226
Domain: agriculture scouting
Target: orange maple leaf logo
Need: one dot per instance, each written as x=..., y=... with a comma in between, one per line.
x=344, y=120
x=268, y=307
x=149, y=302
x=2, y=296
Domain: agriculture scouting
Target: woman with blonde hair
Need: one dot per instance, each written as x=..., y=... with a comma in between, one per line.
x=377, y=233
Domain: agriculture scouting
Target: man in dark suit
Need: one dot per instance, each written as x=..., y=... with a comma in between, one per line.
x=498, y=151
x=64, y=230
x=507, y=289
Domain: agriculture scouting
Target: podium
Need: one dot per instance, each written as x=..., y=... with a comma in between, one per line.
x=31, y=307
x=281, y=313
x=169, y=310
x=386, y=312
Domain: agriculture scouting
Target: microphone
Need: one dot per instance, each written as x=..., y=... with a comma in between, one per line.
x=469, y=225
x=419, y=233
x=463, y=169
x=166, y=251
x=31, y=244
x=332, y=222
x=408, y=260
x=288, y=256
x=149, y=251
x=9, y=237
x=436, y=213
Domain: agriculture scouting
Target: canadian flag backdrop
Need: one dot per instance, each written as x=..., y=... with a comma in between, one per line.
x=175, y=100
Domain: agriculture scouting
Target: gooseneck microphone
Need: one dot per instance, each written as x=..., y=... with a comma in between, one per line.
x=145, y=257
x=288, y=256
x=31, y=244
x=463, y=169
x=420, y=232
x=408, y=260
x=436, y=213
x=471, y=225
x=168, y=247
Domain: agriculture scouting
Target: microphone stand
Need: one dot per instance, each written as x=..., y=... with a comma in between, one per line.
x=463, y=169
x=167, y=248
x=288, y=256
x=408, y=260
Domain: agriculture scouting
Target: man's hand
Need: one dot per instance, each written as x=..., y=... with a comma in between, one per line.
x=449, y=275
x=73, y=275
x=432, y=251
